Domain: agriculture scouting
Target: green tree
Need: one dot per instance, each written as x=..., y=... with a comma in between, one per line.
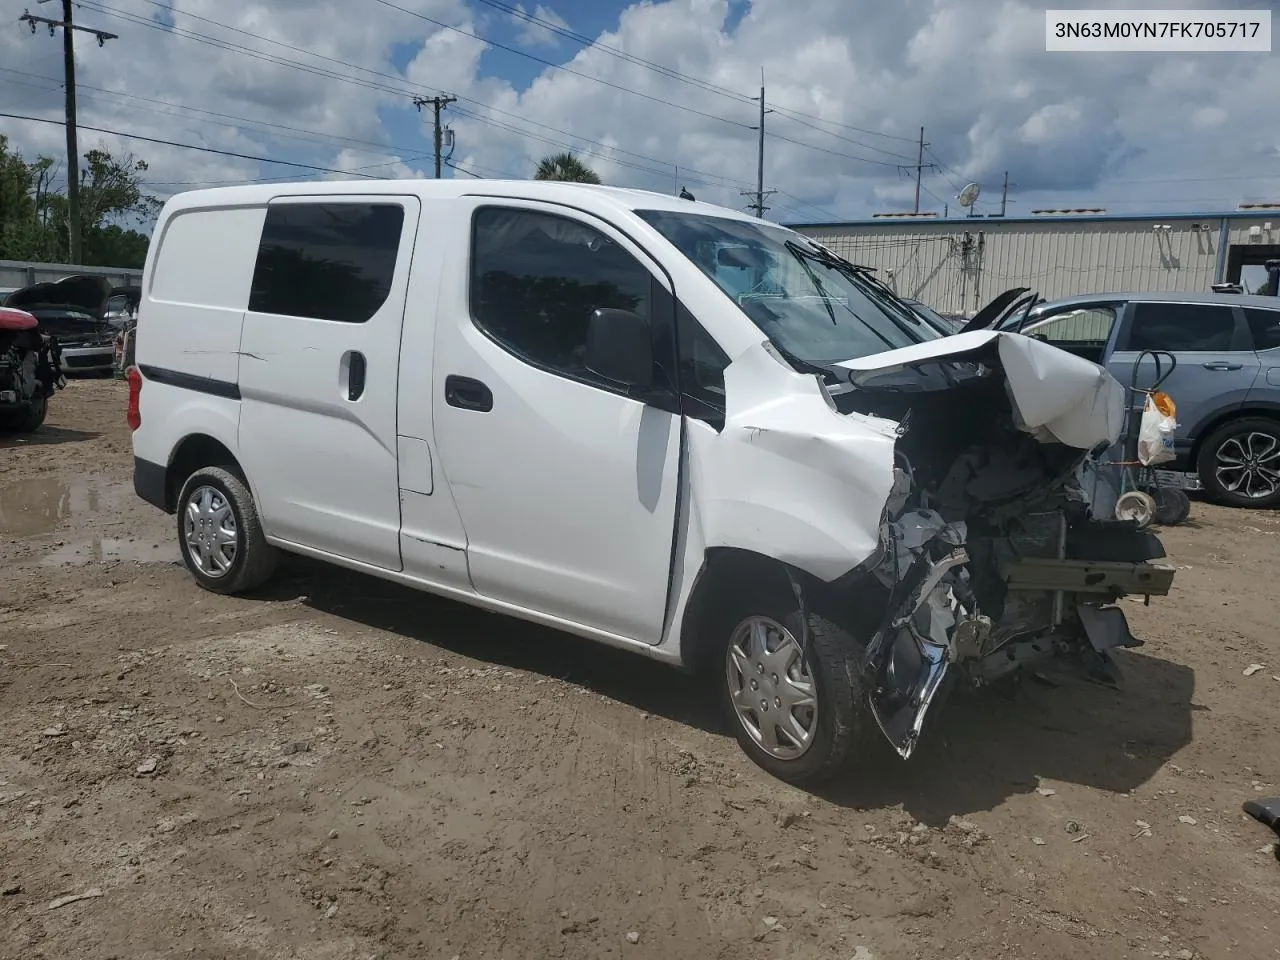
x=33, y=216
x=565, y=166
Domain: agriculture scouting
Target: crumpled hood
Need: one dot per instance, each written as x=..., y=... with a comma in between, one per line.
x=84, y=292
x=1055, y=395
x=789, y=476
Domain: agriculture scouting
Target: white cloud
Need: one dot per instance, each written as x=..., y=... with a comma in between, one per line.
x=1118, y=130
x=533, y=34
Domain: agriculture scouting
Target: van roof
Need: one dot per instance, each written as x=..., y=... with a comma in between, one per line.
x=592, y=197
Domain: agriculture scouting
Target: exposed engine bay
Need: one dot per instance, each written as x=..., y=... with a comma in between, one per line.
x=993, y=562
x=30, y=364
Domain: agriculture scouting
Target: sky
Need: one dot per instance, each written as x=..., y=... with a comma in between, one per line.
x=662, y=94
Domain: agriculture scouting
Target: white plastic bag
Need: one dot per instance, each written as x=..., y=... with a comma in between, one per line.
x=1155, y=435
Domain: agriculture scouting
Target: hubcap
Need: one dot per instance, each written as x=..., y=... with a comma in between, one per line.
x=1249, y=465
x=773, y=695
x=209, y=528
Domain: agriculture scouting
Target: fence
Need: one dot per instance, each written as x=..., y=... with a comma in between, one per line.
x=23, y=273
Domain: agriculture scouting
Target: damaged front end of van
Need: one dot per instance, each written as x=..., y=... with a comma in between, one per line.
x=946, y=476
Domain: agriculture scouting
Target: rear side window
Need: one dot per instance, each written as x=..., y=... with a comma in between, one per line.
x=1265, y=327
x=1181, y=326
x=1091, y=325
x=326, y=261
x=536, y=278
x=206, y=258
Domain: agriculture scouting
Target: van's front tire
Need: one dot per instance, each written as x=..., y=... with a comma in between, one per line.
x=220, y=535
x=802, y=719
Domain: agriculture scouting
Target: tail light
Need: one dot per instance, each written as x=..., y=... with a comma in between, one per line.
x=134, y=415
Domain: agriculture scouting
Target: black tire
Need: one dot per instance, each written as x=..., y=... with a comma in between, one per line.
x=254, y=560
x=31, y=417
x=1172, y=505
x=833, y=663
x=1238, y=437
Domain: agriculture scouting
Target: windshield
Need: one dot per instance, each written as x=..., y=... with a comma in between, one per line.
x=932, y=316
x=814, y=307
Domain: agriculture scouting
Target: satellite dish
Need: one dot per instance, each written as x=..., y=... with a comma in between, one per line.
x=969, y=195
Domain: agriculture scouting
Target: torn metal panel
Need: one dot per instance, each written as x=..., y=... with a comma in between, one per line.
x=1055, y=395
x=789, y=476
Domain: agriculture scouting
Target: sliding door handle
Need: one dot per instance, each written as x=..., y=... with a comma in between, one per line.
x=467, y=394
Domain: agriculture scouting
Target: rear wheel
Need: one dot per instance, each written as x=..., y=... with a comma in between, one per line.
x=799, y=716
x=220, y=535
x=1239, y=463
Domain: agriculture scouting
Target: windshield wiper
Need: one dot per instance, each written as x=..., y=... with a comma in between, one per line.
x=857, y=274
x=800, y=254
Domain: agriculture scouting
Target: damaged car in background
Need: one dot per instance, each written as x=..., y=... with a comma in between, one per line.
x=29, y=371
x=74, y=311
x=657, y=423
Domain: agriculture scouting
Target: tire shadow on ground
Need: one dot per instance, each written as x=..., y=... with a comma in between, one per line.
x=44, y=437
x=978, y=747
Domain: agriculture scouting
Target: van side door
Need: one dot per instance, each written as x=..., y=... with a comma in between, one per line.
x=319, y=359
x=566, y=482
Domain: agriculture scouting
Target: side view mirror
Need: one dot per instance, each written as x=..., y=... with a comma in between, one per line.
x=620, y=347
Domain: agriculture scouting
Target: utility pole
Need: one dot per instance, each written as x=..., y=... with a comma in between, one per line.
x=760, y=192
x=920, y=167
x=1004, y=194
x=69, y=81
x=437, y=104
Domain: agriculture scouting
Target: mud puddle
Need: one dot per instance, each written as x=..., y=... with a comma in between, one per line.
x=99, y=549
x=38, y=505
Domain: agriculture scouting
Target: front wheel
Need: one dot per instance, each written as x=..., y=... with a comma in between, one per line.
x=799, y=716
x=220, y=535
x=1239, y=463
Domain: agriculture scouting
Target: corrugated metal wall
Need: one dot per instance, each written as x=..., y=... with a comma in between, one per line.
x=959, y=266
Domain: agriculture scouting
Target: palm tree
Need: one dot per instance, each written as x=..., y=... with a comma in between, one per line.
x=565, y=166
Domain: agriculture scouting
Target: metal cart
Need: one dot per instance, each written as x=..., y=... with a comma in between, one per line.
x=1124, y=485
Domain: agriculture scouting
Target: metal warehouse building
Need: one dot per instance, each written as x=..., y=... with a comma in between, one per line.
x=956, y=265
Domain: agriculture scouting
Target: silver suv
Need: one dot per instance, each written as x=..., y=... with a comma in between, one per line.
x=1226, y=383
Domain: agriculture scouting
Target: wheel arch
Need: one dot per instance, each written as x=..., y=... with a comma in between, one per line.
x=194, y=451
x=1266, y=410
x=728, y=572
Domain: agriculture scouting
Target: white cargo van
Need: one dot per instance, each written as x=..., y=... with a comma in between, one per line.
x=653, y=422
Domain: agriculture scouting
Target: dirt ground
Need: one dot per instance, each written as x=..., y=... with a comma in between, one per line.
x=341, y=768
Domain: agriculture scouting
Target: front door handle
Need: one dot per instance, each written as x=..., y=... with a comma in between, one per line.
x=355, y=373
x=1221, y=365
x=467, y=394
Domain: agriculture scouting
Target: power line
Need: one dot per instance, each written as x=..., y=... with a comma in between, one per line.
x=402, y=84
x=616, y=52
x=561, y=66
x=190, y=146
x=707, y=85
x=308, y=68
x=234, y=121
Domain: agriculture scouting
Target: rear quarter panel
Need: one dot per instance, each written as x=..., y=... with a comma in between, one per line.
x=196, y=289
